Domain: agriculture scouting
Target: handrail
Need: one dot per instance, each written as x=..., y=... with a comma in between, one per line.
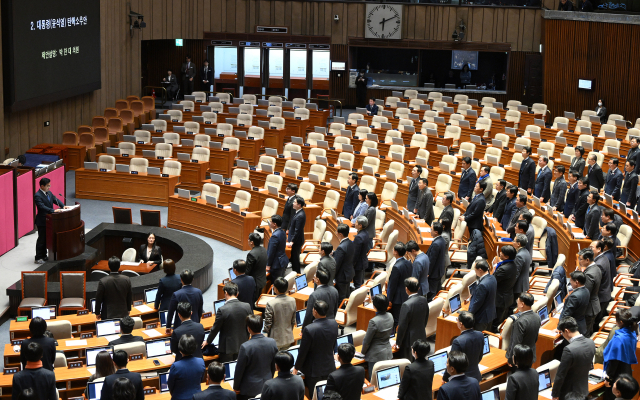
x=328, y=100
x=163, y=90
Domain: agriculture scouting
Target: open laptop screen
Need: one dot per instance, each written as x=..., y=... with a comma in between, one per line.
x=388, y=377
x=439, y=361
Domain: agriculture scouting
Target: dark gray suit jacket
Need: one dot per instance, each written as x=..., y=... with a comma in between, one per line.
x=471, y=343
x=361, y=246
x=514, y=220
x=575, y=305
x=497, y=208
x=347, y=380
x=371, y=218
x=188, y=327
x=343, y=257
x=257, y=268
x=594, y=277
x=315, y=356
x=578, y=165
x=606, y=283
x=330, y=264
x=246, y=288
x=592, y=223
x=255, y=365
x=114, y=296
x=558, y=193
x=523, y=262
x=412, y=198
x=216, y=392
x=574, y=368
x=326, y=293
x=414, y=315
x=425, y=206
x=506, y=277
x=596, y=176
x=231, y=324
x=524, y=331
x=417, y=381
x=284, y=387
x=522, y=385
x=376, y=346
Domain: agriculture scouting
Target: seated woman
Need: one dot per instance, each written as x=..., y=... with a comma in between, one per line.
x=150, y=253
x=104, y=367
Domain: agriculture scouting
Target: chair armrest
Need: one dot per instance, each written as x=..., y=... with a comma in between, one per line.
x=499, y=337
x=344, y=303
x=542, y=269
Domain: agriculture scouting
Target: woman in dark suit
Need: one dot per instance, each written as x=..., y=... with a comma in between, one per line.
x=578, y=162
x=523, y=383
x=150, y=252
x=169, y=284
x=418, y=376
x=375, y=345
x=372, y=202
x=601, y=111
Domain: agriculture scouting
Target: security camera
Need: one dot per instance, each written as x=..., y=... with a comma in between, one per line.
x=336, y=17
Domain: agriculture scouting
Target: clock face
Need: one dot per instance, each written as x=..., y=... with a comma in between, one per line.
x=384, y=21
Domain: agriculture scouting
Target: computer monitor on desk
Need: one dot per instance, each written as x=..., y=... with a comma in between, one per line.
x=439, y=361
x=491, y=394
x=454, y=303
x=150, y=295
x=300, y=314
x=95, y=390
x=544, y=315
x=388, y=377
x=162, y=315
x=93, y=353
x=157, y=348
x=46, y=313
x=108, y=327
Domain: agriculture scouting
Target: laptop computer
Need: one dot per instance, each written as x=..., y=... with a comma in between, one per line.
x=217, y=304
x=432, y=132
x=565, y=158
x=335, y=183
x=290, y=172
x=300, y=314
x=272, y=190
x=302, y=286
x=229, y=370
x=486, y=349
x=454, y=303
x=493, y=160
x=559, y=301
x=235, y=207
x=158, y=348
x=544, y=315
x=544, y=380
x=211, y=200
x=472, y=288
x=475, y=139
x=150, y=295
x=491, y=394
x=108, y=327
x=296, y=156
x=348, y=338
x=439, y=361
x=388, y=379
x=421, y=161
x=162, y=316
x=46, y=312
x=320, y=391
x=232, y=275
x=94, y=390
x=322, y=160
x=377, y=289
x=92, y=353
x=164, y=382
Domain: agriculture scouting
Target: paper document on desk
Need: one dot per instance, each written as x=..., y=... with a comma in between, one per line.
x=482, y=367
x=452, y=318
x=111, y=338
x=308, y=290
x=353, y=230
x=74, y=343
x=546, y=394
x=143, y=308
x=152, y=333
x=425, y=230
x=578, y=235
x=548, y=332
x=130, y=263
x=390, y=393
x=92, y=370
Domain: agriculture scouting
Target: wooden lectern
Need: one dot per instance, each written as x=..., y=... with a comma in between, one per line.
x=65, y=234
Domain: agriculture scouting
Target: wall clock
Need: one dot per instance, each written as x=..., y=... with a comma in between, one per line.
x=383, y=21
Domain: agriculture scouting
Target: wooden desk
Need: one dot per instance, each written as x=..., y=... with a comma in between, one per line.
x=116, y=186
x=141, y=268
x=250, y=149
x=205, y=219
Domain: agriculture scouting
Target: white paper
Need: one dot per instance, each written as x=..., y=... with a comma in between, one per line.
x=354, y=230
x=392, y=342
x=92, y=370
x=129, y=263
x=482, y=367
x=74, y=343
x=308, y=290
x=143, y=308
x=546, y=394
x=597, y=372
x=548, y=332
x=578, y=235
x=152, y=333
x=425, y=229
x=111, y=338
x=452, y=318
x=390, y=393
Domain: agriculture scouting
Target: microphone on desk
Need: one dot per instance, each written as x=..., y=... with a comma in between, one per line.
x=61, y=195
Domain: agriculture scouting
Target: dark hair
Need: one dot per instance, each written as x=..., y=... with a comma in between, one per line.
x=449, y=197
x=187, y=344
x=363, y=194
x=580, y=149
x=412, y=284
x=123, y=389
x=574, y=396
x=281, y=284
x=276, y=219
x=22, y=159
x=184, y=309
x=522, y=240
x=627, y=319
x=467, y=319
x=600, y=244
x=523, y=198
x=412, y=245
x=527, y=216
x=104, y=365
x=293, y=187
x=186, y=276
x=527, y=149
x=120, y=358
x=509, y=251
x=611, y=227
x=380, y=302
x=586, y=253
x=579, y=277
x=522, y=356
x=437, y=226
x=632, y=162
x=343, y=229
x=323, y=275
x=614, y=161
x=126, y=324
x=609, y=213
x=574, y=174
x=608, y=242
x=482, y=184
x=596, y=196
x=346, y=351
x=154, y=238
x=205, y=61
x=424, y=180
x=34, y=352
x=466, y=160
x=299, y=200
x=326, y=247
x=419, y=168
x=321, y=307
x=400, y=248
x=374, y=199
x=486, y=169
x=255, y=239
x=231, y=289
x=527, y=299
x=421, y=348
x=584, y=180
x=482, y=265
x=513, y=190
x=502, y=182
x=169, y=267
x=254, y=322
x=240, y=265
x=284, y=360
x=37, y=327
x=446, y=223
x=215, y=370
x=44, y=181
x=523, y=225
x=568, y=323
x=458, y=361
x=561, y=169
x=114, y=264
x=545, y=159
x=354, y=176
x=188, y=56
x=627, y=386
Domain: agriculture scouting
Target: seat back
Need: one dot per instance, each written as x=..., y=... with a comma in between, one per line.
x=356, y=298
x=319, y=170
x=132, y=348
x=415, y=103
x=467, y=146
x=539, y=108
x=624, y=235
x=245, y=119
x=299, y=103
x=348, y=157
x=411, y=94
x=513, y=115
x=559, y=120
x=171, y=138
x=72, y=284
x=294, y=165
x=306, y=190
x=372, y=162
x=187, y=104
x=232, y=143
x=331, y=200
x=121, y=215
x=274, y=180
x=313, y=137
x=224, y=129
x=277, y=122
x=335, y=128
x=139, y=165
x=377, y=121
x=483, y=124
x=256, y=132
x=391, y=102
x=242, y=198
x=176, y=115
x=172, y=167
x=389, y=191
x=429, y=115
x=315, y=152
x=159, y=124
x=353, y=118
x=70, y=138
x=486, y=111
x=396, y=167
x=270, y=208
x=224, y=97
x=439, y=106
x=453, y=132
x=210, y=189
x=368, y=182
x=288, y=148
x=340, y=140
x=443, y=183
x=523, y=141
x=488, y=101
x=60, y=329
x=301, y=113
x=201, y=154
x=460, y=98
x=435, y=307
x=142, y=135
x=239, y=174
x=613, y=117
x=513, y=105
x=107, y=162
x=202, y=140
x=507, y=330
x=274, y=111
x=402, y=112
x=87, y=140
x=99, y=122
x=216, y=106
x=201, y=97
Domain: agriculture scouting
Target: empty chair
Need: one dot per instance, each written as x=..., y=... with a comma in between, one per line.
x=301, y=113
x=452, y=161
x=423, y=153
x=467, y=146
x=613, y=117
x=70, y=139
x=391, y=102
x=340, y=140
x=348, y=315
x=392, y=133
x=275, y=101
x=361, y=132
x=172, y=168
x=243, y=199
x=513, y=116
x=294, y=165
x=72, y=291
x=389, y=191
x=88, y=141
x=176, y=115
x=269, y=208
x=487, y=101
x=415, y=104
x=580, y=124
x=256, y=132
x=250, y=99
x=443, y=184
x=418, y=140
x=210, y=189
x=319, y=170
x=275, y=181
x=244, y=119
x=224, y=97
x=453, y=132
x=411, y=94
x=139, y=165
x=216, y=106
x=239, y=174
x=348, y=157
x=377, y=121
x=632, y=132
x=99, y=122
x=368, y=182
x=127, y=147
x=586, y=114
x=313, y=137
x=246, y=109
x=354, y=117
x=201, y=140
x=395, y=148
x=404, y=122
x=586, y=138
x=463, y=108
x=439, y=106
x=493, y=151
x=315, y=152
x=487, y=111
x=224, y=129
x=171, y=138
x=201, y=97
x=306, y=190
x=159, y=125
x=299, y=103
x=402, y=112
x=372, y=162
x=531, y=128
x=461, y=99
x=107, y=162
x=429, y=115
x=523, y=141
x=606, y=127
x=559, y=120
x=539, y=108
x=142, y=136
x=429, y=125
x=101, y=136
x=231, y=143
x=274, y=111
x=288, y=148
x=201, y=154
x=277, y=122
x=435, y=96
x=512, y=105
x=503, y=138
x=483, y=124
x=335, y=128
x=84, y=129
x=368, y=144
x=34, y=291
x=187, y=104
x=210, y=117
x=550, y=147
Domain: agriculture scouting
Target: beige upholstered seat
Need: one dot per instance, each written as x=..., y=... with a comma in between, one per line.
x=443, y=184
x=216, y=106
x=176, y=115
x=488, y=101
x=391, y=133
x=439, y=106
x=402, y=112
x=523, y=141
x=294, y=165
x=451, y=160
x=435, y=307
x=429, y=115
x=267, y=160
x=245, y=109
x=245, y=119
x=107, y=162
x=142, y=136
x=460, y=98
x=306, y=190
x=380, y=365
x=539, y=108
x=389, y=191
x=274, y=111
x=348, y=157
x=487, y=111
x=368, y=182
x=361, y=132
x=453, y=132
x=201, y=97
x=435, y=96
x=391, y=102
x=172, y=167
x=404, y=122
x=171, y=138
x=395, y=148
x=201, y=140
x=354, y=117
x=340, y=140
x=159, y=124
x=132, y=348
x=463, y=108
x=512, y=105
x=299, y=103
x=397, y=168
x=274, y=180
x=377, y=121
x=277, y=122
x=301, y=113
x=606, y=127
x=343, y=177
x=210, y=189
x=231, y=143
x=411, y=94
x=224, y=129
x=250, y=99
x=191, y=127
x=372, y=162
x=613, y=117
x=256, y=132
x=415, y=103
x=513, y=116
x=348, y=315
x=483, y=124
x=275, y=101
x=335, y=128
x=559, y=120
x=503, y=138
x=126, y=148
x=315, y=152
x=210, y=117
x=224, y=97
x=269, y=209
x=385, y=256
x=331, y=200
x=201, y=154
x=313, y=137
x=368, y=144
x=242, y=198
x=139, y=165
x=319, y=170
x=60, y=329
x=289, y=148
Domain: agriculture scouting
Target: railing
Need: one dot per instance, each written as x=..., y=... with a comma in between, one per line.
x=328, y=101
x=149, y=90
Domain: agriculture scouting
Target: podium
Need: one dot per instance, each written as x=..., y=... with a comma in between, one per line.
x=65, y=234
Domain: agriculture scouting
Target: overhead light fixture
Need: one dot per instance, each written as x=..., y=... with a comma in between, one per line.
x=136, y=21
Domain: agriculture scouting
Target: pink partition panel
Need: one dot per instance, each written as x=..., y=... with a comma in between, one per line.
x=25, y=203
x=58, y=184
x=7, y=220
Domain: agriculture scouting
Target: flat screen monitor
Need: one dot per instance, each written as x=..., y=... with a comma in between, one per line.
x=232, y=274
x=320, y=391
x=461, y=57
x=163, y=317
x=301, y=282
x=46, y=313
x=455, y=303
x=294, y=352
x=544, y=380
x=439, y=361
x=93, y=353
x=217, y=304
x=150, y=295
x=388, y=377
x=95, y=390
x=216, y=340
x=93, y=306
x=300, y=314
x=337, y=66
x=229, y=370
x=491, y=394
x=348, y=338
x=473, y=287
x=486, y=349
x=544, y=315
x=377, y=289
x=586, y=84
x=108, y=327
x=157, y=348
x=559, y=300
x=164, y=382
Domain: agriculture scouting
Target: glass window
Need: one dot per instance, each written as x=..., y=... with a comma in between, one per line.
x=252, y=61
x=225, y=60
x=298, y=63
x=276, y=63
x=321, y=64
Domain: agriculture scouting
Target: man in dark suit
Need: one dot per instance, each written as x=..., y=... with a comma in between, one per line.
x=231, y=324
x=592, y=219
x=215, y=376
x=323, y=292
x=412, y=199
x=277, y=260
x=255, y=361
x=525, y=327
x=438, y=255
x=360, y=250
x=595, y=174
x=577, y=302
x=527, y=174
x=372, y=108
x=523, y=264
x=34, y=376
x=348, y=379
x=613, y=180
x=475, y=211
x=401, y=270
x=460, y=386
x=506, y=274
x=559, y=189
x=172, y=85
x=296, y=232
x=629, y=185
x=483, y=301
x=188, y=71
x=543, y=180
x=580, y=209
x=343, y=256
x=510, y=206
x=609, y=215
x=470, y=342
x=572, y=194
x=521, y=208
x=351, y=197
x=424, y=205
x=126, y=327
x=625, y=387
x=120, y=360
x=189, y=294
x=593, y=278
x=488, y=191
x=327, y=261
x=257, y=263
x=286, y=386
x=414, y=316
x=315, y=356
x=634, y=153
x=447, y=211
x=45, y=200
x=291, y=190
x=187, y=327
x=599, y=249
x=575, y=363
x=417, y=379
x=206, y=76
x=246, y=284
x=500, y=201
x=467, y=180
x=420, y=266
x=114, y=295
